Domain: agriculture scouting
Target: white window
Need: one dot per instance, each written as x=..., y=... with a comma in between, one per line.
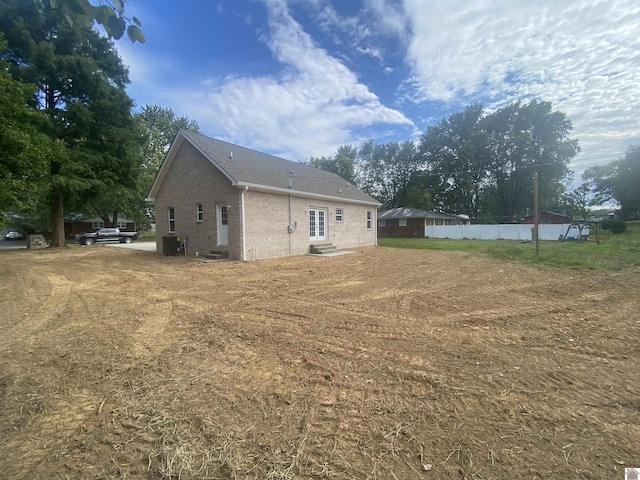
x=172, y=219
x=121, y=225
x=199, y=213
x=382, y=223
x=338, y=215
x=98, y=224
x=369, y=217
x=402, y=222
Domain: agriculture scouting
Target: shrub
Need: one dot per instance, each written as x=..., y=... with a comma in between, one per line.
x=614, y=226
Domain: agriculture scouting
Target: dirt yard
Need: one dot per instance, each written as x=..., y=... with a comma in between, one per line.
x=382, y=364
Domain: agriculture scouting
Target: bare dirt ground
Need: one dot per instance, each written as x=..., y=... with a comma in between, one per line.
x=381, y=364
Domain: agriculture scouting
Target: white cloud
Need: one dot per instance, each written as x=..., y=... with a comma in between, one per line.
x=314, y=104
x=581, y=56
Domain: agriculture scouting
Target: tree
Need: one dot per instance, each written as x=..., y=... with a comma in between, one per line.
x=618, y=181
x=456, y=153
x=342, y=163
x=577, y=200
x=80, y=84
x=485, y=163
x=23, y=149
x=384, y=170
x=524, y=139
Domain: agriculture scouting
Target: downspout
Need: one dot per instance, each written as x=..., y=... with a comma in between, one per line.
x=375, y=218
x=243, y=235
x=289, y=226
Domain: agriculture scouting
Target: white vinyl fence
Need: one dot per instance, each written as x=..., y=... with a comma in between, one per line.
x=501, y=232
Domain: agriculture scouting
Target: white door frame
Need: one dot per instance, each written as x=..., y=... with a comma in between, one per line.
x=318, y=224
x=222, y=224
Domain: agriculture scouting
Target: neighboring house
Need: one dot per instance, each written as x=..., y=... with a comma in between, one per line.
x=410, y=222
x=548, y=217
x=219, y=196
x=78, y=223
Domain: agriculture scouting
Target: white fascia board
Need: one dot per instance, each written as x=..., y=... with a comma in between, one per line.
x=298, y=193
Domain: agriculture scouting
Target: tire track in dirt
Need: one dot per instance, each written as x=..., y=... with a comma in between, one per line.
x=55, y=289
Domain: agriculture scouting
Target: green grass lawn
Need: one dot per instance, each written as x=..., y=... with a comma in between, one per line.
x=614, y=252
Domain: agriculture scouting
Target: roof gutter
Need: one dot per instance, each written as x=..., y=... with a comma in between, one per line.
x=298, y=193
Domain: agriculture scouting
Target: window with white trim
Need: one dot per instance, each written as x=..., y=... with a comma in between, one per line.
x=199, y=213
x=339, y=214
x=402, y=222
x=172, y=219
x=369, y=217
x=98, y=224
x=382, y=222
x=121, y=225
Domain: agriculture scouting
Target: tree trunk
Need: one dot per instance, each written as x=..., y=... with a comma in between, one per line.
x=57, y=218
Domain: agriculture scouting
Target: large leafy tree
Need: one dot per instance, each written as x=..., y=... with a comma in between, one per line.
x=342, y=163
x=618, y=181
x=456, y=157
x=80, y=84
x=385, y=170
x=525, y=138
x=23, y=149
x=485, y=163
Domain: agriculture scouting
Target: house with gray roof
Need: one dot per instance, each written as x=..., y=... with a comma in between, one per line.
x=411, y=222
x=236, y=202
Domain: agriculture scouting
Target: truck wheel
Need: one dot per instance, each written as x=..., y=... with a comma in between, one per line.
x=88, y=241
x=128, y=239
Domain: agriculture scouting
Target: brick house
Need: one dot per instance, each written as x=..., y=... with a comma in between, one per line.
x=410, y=222
x=548, y=217
x=218, y=196
x=77, y=223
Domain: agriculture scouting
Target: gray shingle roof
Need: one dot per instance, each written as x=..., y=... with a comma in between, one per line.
x=244, y=166
x=402, y=212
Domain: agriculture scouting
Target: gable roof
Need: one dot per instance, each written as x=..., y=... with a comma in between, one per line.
x=247, y=168
x=402, y=212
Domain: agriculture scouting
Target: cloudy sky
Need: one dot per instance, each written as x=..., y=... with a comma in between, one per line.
x=298, y=78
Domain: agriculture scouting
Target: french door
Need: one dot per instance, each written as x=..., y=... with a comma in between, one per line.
x=317, y=224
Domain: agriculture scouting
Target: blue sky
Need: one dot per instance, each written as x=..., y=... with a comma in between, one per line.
x=298, y=78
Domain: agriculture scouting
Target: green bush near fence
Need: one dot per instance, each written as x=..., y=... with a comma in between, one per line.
x=614, y=225
x=614, y=252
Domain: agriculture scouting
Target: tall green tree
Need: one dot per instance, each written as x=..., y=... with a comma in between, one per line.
x=342, y=163
x=456, y=156
x=485, y=163
x=618, y=181
x=80, y=83
x=384, y=170
x=525, y=138
x=24, y=151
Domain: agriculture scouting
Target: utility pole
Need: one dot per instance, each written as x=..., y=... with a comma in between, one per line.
x=536, y=212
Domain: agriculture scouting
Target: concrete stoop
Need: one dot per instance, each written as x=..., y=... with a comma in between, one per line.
x=217, y=255
x=327, y=250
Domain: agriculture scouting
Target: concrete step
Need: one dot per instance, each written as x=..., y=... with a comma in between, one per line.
x=321, y=248
x=217, y=255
